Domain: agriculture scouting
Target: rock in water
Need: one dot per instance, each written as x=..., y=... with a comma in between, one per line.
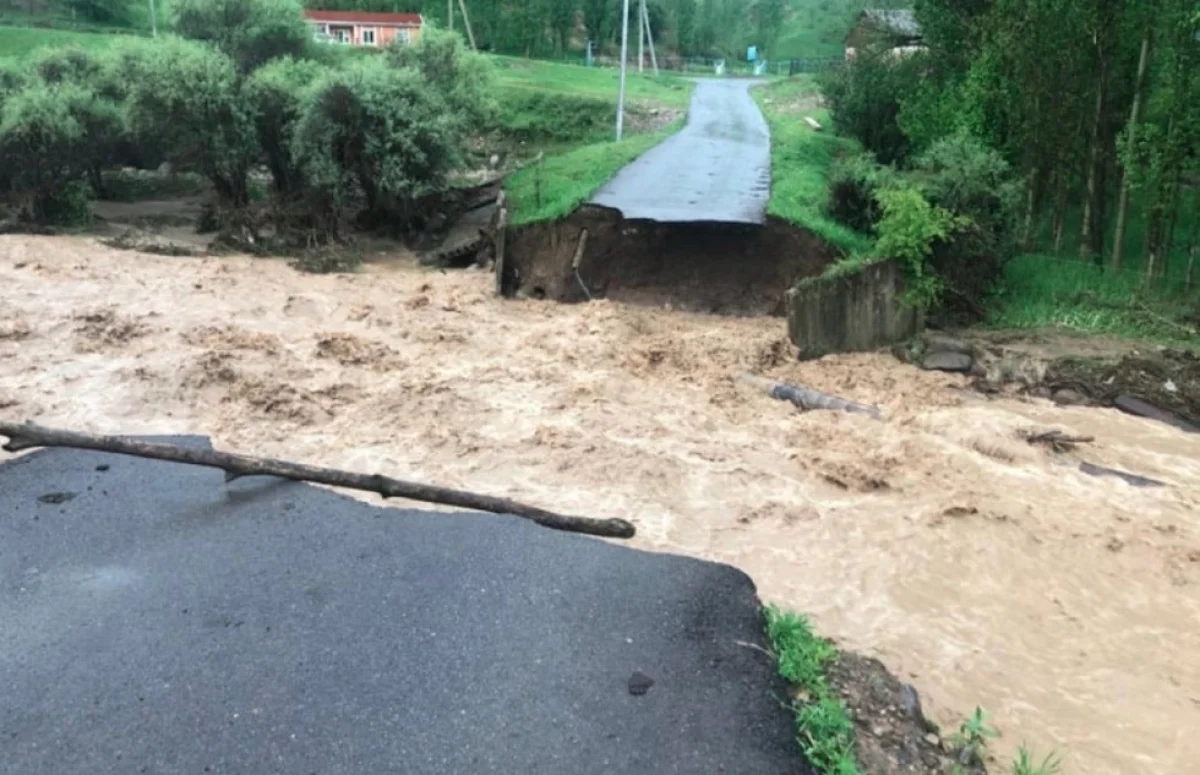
x=1068, y=397
x=947, y=361
x=936, y=341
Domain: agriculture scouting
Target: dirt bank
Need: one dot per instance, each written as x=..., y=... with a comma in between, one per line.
x=981, y=569
x=720, y=268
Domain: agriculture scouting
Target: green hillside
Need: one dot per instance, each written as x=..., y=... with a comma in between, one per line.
x=16, y=42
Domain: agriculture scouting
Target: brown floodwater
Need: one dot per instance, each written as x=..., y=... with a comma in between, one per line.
x=985, y=571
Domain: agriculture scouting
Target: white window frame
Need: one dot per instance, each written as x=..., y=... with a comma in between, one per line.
x=405, y=34
x=371, y=40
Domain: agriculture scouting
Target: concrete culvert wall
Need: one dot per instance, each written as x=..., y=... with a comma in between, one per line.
x=857, y=310
x=730, y=269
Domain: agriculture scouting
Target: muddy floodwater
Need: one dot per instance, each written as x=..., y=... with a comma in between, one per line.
x=983, y=570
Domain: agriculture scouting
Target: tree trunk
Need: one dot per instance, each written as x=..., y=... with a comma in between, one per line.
x=1131, y=147
x=1091, y=187
x=235, y=466
x=1191, y=267
x=1060, y=214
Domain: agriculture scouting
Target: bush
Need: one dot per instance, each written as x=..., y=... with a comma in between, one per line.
x=463, y=78
x=374, y=130
x=865, y=97
x=276, y=94
x=908, y=231
x=538, y=118
x=50, y=137
x=251, y=32
x=972, y=181
x=68, y=64
x=853, y=184
x=188, y=97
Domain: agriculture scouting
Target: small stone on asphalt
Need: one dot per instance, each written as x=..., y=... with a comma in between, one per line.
x=639, y=683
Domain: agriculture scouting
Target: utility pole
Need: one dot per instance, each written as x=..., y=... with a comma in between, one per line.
x=153, y=20
x=649, y=37
x=450, y=15
x=624, y=56
x=462, y=6
x=641, y=35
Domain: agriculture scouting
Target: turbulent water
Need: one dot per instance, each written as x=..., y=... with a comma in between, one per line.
x=983, y=570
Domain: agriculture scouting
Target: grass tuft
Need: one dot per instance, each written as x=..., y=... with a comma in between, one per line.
x=1025, y=764
x=826, y=733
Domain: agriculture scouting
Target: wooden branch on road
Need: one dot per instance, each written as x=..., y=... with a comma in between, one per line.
x=29, y=436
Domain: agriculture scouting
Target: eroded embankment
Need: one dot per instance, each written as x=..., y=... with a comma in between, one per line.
x=733, y=269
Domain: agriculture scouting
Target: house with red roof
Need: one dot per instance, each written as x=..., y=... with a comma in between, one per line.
x=362, y=28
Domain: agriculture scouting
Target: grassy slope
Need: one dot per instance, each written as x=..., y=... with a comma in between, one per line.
x=16, y=42
x=800, y=162
x=816, y=29
x=556, y=186
x=601, y=83
x=553, y=188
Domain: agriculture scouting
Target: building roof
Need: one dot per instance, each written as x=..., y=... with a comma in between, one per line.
x=364, y=17
x=900, y=22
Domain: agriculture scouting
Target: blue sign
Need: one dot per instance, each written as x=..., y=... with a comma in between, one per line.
x=752, y=53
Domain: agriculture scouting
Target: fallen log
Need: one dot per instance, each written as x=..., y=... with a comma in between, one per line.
x=29, y=436
x=1136, y=480
x=1057, y=440
x=807, y=398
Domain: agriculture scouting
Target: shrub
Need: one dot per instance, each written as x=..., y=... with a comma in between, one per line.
x=853, y=184
x=276, y=95
x=463, y=78
x=536, y=117
x=49, y=137
x=188, y=97
x=908, y=231
x=378, y=131
x=68, y=64
x=251, y=32
x=972, y=181
x=864, y=100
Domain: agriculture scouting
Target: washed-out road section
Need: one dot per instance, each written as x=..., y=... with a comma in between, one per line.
x=716, y=169
x=155, y=619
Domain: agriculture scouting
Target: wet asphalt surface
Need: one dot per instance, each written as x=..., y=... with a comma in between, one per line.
x=155, y=620
x=715, y=169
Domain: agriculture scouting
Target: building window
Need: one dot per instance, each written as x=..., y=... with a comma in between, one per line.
x=368, y=37
x=404, y=35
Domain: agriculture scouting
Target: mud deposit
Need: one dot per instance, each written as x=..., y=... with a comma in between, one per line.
x=721, y=268
x=981, y=569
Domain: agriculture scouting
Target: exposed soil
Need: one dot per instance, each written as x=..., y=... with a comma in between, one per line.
x=701, y=267
x=893, y=735
x=1168, y=378
x=980, y=568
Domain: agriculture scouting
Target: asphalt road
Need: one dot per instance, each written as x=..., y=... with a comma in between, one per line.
x=717, y=168
x=155, y=620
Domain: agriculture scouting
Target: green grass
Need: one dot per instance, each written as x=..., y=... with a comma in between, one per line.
x=18, y=42
x=826, y=733
x=556, y=78
x=801, y=161
x=1025, y=764
x=1041, y=291
x=557, y=185
x=815, y=29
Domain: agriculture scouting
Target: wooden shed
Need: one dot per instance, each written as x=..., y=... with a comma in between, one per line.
x=886, y=30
